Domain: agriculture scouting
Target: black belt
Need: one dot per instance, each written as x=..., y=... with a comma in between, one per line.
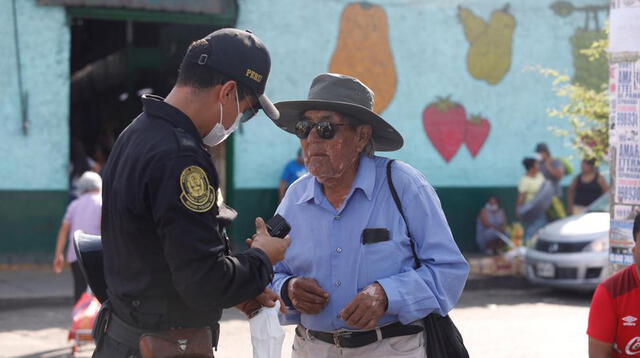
x=355, y=339
x=130, y=336
x=123, y=332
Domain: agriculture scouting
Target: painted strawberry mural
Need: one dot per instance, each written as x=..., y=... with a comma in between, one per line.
x=477, y=131
x=445, y=122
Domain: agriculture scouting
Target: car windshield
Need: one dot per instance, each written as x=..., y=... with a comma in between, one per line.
x=601, y=204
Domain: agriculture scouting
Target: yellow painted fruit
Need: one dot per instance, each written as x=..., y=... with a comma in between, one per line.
x=489, y=55
x=363, y=51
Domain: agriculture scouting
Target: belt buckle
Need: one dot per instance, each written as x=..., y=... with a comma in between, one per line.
x=340, y=334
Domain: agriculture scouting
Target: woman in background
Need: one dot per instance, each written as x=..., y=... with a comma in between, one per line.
x=84, y=214
x=528, y=187
x=586, y=187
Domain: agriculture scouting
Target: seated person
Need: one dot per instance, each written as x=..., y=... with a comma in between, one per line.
x=490, y=223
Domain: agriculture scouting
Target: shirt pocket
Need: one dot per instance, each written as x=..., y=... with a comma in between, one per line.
x=379, y=260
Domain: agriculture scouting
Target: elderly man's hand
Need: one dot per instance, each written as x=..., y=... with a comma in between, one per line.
x=306, y=295
x=364, y=311
x=267, y=298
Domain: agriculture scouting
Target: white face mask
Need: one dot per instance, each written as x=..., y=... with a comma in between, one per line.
x=491, y=207
x=218, y=133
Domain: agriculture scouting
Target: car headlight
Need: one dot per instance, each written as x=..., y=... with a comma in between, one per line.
x=600, y=245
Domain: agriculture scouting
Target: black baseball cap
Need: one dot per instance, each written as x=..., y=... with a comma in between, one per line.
x=240, y=55
x=542, y=147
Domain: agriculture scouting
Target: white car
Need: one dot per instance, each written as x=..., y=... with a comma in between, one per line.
x=573, y=252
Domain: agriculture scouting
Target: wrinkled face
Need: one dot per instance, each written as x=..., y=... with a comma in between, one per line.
x=330, y=158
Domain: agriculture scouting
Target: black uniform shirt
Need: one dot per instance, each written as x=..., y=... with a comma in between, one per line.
x=165, y=260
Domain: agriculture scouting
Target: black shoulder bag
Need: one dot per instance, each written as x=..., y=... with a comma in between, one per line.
x=443, y=338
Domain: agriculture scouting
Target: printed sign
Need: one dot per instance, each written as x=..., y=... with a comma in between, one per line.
x=624, y=126
x=623, y=22
x=621, y=242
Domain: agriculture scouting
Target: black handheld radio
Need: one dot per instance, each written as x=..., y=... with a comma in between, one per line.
x=278, y=226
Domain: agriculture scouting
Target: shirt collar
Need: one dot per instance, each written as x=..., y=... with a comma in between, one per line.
x=156, y=106
x=365, y=180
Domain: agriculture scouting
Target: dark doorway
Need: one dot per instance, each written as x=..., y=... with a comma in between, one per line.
x=113, y=63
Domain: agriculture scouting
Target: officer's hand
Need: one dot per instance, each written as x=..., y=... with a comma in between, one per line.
x=267, y=298
x=364, y=311
x=249, y=307
x=274, y=247
x=306, y=295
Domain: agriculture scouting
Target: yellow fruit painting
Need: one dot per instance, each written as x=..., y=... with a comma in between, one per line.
x=363, y=51
x=490, y=43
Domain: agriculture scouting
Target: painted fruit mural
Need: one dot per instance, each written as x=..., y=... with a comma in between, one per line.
x=447, y=127
x=445, y=121
x=490, y=43
x=363, y=51
x=476, y=133
x=591, y=74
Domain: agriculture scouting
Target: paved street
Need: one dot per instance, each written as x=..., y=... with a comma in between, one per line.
x=495, y=323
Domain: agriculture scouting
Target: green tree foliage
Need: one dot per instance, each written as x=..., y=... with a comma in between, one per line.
x=586, y=110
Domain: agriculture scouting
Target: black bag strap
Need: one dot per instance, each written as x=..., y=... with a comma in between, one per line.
x=396, y=199
x=443, y=336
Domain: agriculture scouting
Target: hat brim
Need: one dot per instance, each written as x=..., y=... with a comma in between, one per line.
x=265, y=104
x=385, y=137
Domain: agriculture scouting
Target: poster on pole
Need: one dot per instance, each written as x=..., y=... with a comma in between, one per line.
x=621, y=242
x=624, y=154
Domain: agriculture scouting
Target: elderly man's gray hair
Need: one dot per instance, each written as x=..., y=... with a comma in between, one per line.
x=89, y=181
x=369, y=149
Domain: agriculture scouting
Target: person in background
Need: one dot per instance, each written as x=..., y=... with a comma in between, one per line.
x=528, y=187
x=586, y=187
x=491, y=222
x=613, y=328
x=83, y=213
x=550, y=167
x=292, y=171
x=80, y=163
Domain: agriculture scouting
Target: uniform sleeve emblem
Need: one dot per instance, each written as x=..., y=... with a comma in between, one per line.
x=197, y=195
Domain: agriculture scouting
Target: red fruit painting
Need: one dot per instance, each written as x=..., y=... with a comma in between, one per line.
x=476, y=134
x=445, y=122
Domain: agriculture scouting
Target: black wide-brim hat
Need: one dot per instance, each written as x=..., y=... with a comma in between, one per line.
x=345, y=95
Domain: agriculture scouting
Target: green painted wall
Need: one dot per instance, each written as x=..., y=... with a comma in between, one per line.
x=29, y=222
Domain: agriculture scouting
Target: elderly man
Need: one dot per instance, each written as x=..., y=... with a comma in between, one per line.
x=350, y=266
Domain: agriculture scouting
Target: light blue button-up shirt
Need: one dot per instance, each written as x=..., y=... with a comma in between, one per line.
x=327, y=246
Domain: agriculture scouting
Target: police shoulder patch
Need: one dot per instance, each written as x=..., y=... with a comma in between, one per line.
x=197, y=195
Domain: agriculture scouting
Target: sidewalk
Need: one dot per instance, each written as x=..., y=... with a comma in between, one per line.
x=31, y=285
x=27, y=286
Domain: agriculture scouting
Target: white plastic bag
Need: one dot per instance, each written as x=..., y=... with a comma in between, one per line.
x=266, y=333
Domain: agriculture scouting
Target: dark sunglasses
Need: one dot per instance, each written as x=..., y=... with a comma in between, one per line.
x=325, y=129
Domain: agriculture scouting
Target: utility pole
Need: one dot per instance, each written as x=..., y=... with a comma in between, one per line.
x=624, y=127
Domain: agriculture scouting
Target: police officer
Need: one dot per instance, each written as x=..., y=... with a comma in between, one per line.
x=166, y=258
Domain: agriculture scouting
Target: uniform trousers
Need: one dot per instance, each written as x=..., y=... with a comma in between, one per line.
x=110, y=348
